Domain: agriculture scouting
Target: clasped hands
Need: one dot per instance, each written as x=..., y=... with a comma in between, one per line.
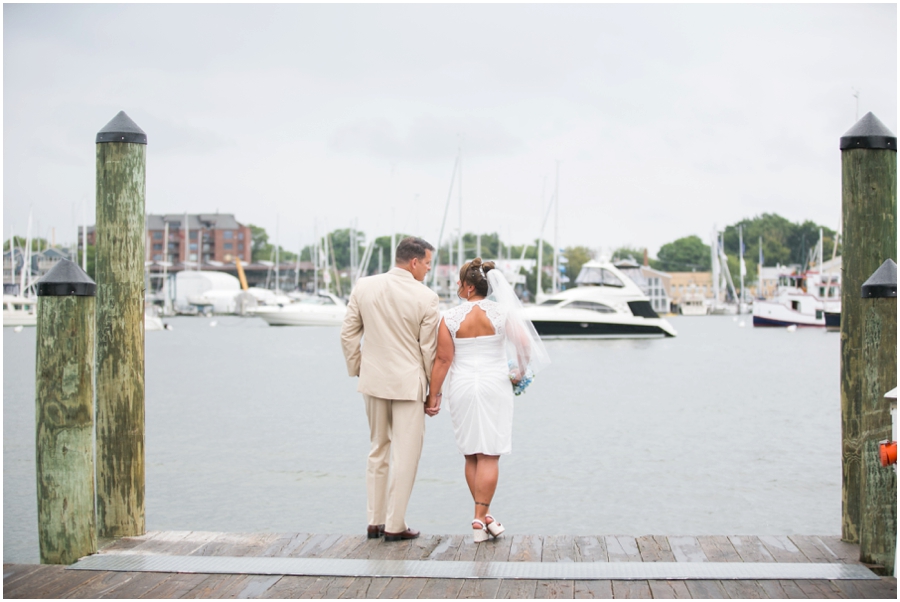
x=433, y=404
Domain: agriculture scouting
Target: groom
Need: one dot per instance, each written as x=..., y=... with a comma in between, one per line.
x=399, y=318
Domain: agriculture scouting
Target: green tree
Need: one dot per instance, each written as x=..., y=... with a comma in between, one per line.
x=259, y=243
x=687, y=254
x=626, y=252
x=576, y=257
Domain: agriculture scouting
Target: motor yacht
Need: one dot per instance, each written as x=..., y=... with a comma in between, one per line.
x=606, y=304
x=803, y=299
x=323, y=309
x=19, y=311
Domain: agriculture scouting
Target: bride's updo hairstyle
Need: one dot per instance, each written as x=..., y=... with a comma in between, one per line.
x=475, y=273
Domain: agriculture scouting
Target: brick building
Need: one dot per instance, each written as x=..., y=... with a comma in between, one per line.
x=213, y=237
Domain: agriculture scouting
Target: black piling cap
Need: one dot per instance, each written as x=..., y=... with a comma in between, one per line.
x=869, y=132
x=66, y=279
x=122, y=129
x=883, y=283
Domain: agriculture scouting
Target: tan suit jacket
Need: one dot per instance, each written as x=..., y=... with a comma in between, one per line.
x=399, y=317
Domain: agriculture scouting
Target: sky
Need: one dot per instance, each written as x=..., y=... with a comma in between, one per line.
x=663, y=120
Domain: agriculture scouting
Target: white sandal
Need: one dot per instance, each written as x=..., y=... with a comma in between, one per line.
x=494, y=527
x=479, y=534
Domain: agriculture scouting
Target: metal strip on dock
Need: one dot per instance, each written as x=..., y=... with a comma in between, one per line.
x=453, y=569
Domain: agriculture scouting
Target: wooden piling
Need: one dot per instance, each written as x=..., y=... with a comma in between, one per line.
x=869, y=199
x=878, y=527
x=121, y=186
x=64, y=404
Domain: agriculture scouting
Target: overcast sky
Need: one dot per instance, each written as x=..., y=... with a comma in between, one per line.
x=665, y=119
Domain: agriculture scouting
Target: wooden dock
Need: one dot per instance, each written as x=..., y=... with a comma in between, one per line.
x=52, y=581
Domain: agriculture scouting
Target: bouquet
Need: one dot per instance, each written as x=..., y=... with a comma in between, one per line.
x=519, y=385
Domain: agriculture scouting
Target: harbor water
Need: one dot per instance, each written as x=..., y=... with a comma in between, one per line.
x=725, y=429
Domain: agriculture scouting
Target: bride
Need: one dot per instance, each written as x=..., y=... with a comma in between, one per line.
x=485, y=347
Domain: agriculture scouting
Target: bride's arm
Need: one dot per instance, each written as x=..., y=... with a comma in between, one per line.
x=442, y=361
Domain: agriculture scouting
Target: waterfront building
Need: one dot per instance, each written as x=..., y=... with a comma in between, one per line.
x=683, y=284
x=658, y=284
x=213, y=237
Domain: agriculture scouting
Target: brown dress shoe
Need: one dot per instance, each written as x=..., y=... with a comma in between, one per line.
x=408, y=534
x=374, y=531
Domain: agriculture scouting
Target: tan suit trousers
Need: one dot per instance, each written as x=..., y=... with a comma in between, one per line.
x=397, y=431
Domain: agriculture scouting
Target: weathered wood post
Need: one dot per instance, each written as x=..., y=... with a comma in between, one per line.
x=878, y=525
x=121, y=185
x=64, y=396
x=869, y=206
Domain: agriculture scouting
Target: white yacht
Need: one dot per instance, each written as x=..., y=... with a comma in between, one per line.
x=606, y=304
x=803, y=299
x=19, y=311
x=323, y=309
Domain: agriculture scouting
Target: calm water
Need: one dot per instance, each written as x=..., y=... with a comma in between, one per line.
x=722, y=430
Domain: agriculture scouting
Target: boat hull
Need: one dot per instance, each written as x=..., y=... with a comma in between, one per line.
x=558, y=329
x=274, y=317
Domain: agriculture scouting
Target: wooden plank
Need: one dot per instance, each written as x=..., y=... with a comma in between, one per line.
x=774, y=590
x=554, y=588
x=100, y=585
x=41, y=574
x=173, y=543
x=703, y=588
x=791, y=589
x=814, y=548
x=782, y=548
x=291, y=547
x=525, y=548
x=846, y=552
x=369, y=548
x=517, y=588
x=213, y=586
x=376, y=586
x=362, y=587
x=446, y=547
x=422, y=547
x=885, y=588
x=14, y=572
x=441, y=588
x=818, y=588
x=54, y=583
x=316, y=546
x=655, y=548
x=403, y=588
x=594, y=589
x=479, y=588
x=743, y=589
x=750, y=548
x=850, y=589
x=290, y=586
x=559, y=548
x=128, y=543
x=338, y=586
x=718, y=548
x=622, y=548
x=175, y=586
x=468, y=548
x=686, y=549
x=631, y=589
x=671, y=589
x=592, y=549
x=496, y=550
x=136, y=587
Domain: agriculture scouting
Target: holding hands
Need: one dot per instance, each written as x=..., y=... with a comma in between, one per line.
x=433, y=404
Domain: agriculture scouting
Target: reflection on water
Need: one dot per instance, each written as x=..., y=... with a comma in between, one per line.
x=722, y=430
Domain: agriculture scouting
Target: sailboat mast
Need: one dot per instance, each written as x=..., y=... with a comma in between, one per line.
x=556, y=234
x=276, y=254
x=460, y=250
x=741, y=262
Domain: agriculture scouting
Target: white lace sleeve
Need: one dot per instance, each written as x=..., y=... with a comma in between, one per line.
x=495, y=313
x=454, y=316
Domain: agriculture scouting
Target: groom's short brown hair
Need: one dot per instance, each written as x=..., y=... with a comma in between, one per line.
x=411, y=247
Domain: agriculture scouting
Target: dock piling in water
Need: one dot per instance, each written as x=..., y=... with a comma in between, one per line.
x=121, y=189
x=868, y=338
x=64, y=416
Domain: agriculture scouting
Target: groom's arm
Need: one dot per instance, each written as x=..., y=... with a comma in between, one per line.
x=428, y=335
x=351, y=335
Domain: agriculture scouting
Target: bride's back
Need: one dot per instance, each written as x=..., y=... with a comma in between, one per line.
x=475, y=324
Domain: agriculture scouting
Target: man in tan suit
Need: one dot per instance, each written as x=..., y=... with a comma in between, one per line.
x=399, y=317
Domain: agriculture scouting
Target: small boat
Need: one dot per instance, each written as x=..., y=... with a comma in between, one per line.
x=323, y=309
x=606, y=304
x=19, y=311
x=693, y=303
x=803, y=299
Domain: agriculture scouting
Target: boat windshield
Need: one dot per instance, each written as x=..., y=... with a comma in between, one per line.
x=597, y=277
x=551, y=302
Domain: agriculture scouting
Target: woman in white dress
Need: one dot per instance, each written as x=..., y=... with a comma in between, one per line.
x=472, y=374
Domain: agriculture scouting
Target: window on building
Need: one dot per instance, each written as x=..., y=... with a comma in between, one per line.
x=240, y=236
x=192, y=257
x=157, y=258
x=193, y=246
x=193, y=235
x=157, y=235
x=240, y=246
x=157, y=246
x=228, y=235
x=228, y=245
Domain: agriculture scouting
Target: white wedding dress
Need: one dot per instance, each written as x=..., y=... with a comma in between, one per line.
x=477, y=390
